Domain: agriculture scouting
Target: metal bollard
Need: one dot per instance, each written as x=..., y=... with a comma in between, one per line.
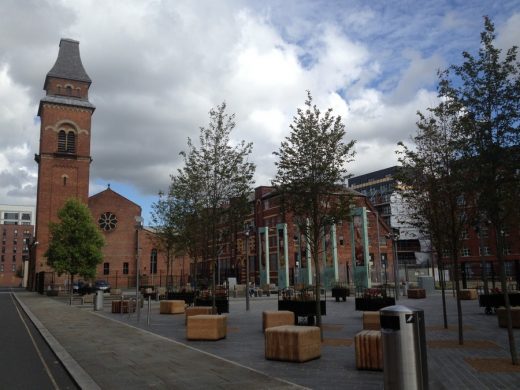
x=98, y=302
x=404, y=348
x=149, y=310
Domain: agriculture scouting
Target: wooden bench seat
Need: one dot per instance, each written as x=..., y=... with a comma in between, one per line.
x=292, y=343
x=371, y=320
x=369, y=350
x=416, y=293
x=468, y=294
x=206, y=327
x=272, y=318
x=172, y=307
x=197, y=310
x=116, y=306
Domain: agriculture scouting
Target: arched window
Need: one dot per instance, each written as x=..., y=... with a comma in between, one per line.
x=153, y=261
x=71, y=142
x=66, y=142
x=62, y=141
x=69, y=90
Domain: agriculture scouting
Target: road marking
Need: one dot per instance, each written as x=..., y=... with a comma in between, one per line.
x=35, y=346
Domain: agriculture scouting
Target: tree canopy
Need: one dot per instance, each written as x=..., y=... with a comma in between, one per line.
x=214, y=174
x=76, y=242
x=311, y=173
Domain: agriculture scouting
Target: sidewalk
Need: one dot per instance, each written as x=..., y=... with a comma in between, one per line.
x=117, y=352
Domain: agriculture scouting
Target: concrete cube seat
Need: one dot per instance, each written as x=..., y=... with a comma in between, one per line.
x=369, y=350
x=124, y=306
x=206, y=327
x=292, y=343
x=197, y=310
x=371, y=320
x=272, y=318
x=502, y=318
x=468, y=294
x=172, y=307
x=416, y=293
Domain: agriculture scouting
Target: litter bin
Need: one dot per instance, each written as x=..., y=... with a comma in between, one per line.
x=404, y=348
x=98, y=302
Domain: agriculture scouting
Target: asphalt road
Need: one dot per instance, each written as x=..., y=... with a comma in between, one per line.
x=26, y=361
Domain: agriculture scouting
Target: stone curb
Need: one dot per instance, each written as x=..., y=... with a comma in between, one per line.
x=82, y=379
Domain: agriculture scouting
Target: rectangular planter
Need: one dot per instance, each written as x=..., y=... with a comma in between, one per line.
x=302, y=308
x=373, y=304
x=340, y=293
x=222, y=305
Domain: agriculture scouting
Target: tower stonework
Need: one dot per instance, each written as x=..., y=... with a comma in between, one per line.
x=65, y=134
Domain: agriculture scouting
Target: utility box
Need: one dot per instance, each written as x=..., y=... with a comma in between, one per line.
x=98, y=302
x=427, y=283
x=404, y=348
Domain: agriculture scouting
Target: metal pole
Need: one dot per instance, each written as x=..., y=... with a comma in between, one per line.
x=247, y=269
x=149, y=310
x=378, y=245
x=396, y=266
x=139, y=221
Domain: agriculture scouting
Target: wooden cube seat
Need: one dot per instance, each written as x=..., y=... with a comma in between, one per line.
x=292, y=343
x=515, y=316
x=87, y=298
x=172, y=307
x=416, y=293
x=369, y=350
x=272, y=318
x=115, y=291
x=371, y=320
x=206, y=327
x=123, y=306
x=196, y=310
x=468, y=294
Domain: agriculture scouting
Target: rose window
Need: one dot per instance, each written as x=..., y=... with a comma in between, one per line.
x=107, y=221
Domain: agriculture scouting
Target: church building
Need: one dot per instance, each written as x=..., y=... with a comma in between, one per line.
x=64, y=160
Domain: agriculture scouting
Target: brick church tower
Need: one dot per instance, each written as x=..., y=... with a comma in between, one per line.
x=64, y=156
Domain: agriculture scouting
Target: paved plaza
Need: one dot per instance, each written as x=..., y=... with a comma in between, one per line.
x=112, y=351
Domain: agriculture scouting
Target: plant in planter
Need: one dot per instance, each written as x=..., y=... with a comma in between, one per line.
x=373, y=299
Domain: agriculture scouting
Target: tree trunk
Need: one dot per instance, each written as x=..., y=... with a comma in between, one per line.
x=503, y=283
x=457, y=296
x=440, y=267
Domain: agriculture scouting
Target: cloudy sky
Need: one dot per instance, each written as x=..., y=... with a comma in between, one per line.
x=158, y=67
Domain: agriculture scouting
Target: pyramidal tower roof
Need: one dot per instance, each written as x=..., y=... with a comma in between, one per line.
x=68, y=64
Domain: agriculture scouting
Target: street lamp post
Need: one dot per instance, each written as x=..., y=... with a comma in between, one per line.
x=394, y=236
x=138, y=227
x=247, y=232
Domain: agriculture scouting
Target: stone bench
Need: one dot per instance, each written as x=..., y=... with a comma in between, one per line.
x=116, y=306
x=172, y=307
x=272, y=318
x=502, y=318
x=468, y=294
x=206, y=327
x=416, y=293
x=371, y=320
x=197, y=310
x=292, y=343
x=369, y=350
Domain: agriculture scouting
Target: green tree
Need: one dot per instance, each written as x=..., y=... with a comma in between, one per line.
x=215, y=173
x=311, y=172
x=432, y=177
x=76, y=242
x=165, y=231
x=488, y=88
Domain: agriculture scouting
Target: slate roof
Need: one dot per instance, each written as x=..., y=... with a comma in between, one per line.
x=68, y=64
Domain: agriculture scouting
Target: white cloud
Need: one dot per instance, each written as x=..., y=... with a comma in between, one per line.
x=159, y=67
